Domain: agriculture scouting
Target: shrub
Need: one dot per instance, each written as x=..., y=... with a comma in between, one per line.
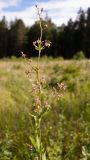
x=79, y=55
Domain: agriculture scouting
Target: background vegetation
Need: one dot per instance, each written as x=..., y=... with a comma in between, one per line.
x=67, y=40
x=66, y=128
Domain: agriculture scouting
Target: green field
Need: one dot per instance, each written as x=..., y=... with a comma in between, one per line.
x=66, y=128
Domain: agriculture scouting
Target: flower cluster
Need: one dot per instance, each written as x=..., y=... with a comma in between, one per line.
x=47, y=43
x=58, y=91
x=40, y=45
x=23, y=55
x=61, y=86
x=39, y=10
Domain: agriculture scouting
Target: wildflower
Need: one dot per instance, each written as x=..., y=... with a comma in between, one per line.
x=59, y=96
x=47, y=106
x=61, y=86
x=34, y=43
x=34, y=87
x=47, y=43
x=42, y=80
x=29, y=61
x=23, y=55
x=30, y=147
x=37, y=101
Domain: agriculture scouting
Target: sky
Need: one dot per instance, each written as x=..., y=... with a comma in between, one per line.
x=60, y=11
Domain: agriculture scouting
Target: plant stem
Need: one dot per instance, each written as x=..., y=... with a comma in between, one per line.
x=39, y=55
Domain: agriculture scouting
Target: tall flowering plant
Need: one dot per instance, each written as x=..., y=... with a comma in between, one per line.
x=40, y=104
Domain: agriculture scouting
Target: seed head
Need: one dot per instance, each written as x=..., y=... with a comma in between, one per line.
x=36, y=5
x=41, y=9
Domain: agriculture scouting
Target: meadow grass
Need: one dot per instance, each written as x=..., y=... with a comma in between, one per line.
x=67, y=125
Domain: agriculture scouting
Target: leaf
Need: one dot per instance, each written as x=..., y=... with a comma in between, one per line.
x=38, y=142
x=33, y=142
x=37, y=48
x=44, y=156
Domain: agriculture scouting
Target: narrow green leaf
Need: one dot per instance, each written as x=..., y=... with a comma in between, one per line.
x=37, y=48
x=44, y=156
x=38, y=142
x=33, y=142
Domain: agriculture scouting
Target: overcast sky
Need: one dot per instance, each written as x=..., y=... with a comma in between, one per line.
x=60, y=11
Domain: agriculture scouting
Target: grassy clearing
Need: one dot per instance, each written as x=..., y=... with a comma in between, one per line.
x=66, y=129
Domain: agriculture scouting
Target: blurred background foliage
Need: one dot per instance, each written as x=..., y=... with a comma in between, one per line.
x=68, y=41
x=66, y=128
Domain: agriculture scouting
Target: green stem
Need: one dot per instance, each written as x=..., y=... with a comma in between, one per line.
x=40, y=29
x=39, y=55
x=38, y=121
x=40, y=84
x=38, y=68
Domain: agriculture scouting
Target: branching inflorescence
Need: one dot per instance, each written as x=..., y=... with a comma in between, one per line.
x=40, y=99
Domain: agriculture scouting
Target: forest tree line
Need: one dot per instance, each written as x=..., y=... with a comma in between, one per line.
x=66, y=40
